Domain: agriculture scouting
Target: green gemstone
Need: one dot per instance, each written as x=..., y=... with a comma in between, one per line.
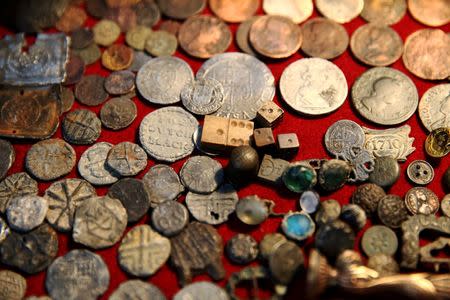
x=299, y=177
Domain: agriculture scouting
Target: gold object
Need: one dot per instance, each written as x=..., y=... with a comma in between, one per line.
x=437, y=143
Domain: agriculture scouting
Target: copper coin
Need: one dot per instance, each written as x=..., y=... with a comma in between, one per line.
x=90, y=90
x=430, y=12
x=275, y=36
x=147, y=13
x=67, y=98
x=341, y=11
x=181, y=9
x=118, y=113
x=120, y=82
x=242, y=34
x=96, y=8
x=384, y=12
x=81, y=38
x=73, y=18
x=234, y=11
x=296, y=10
x=170, y=26
x=125, y=17
x=117, y=57
x=324, y=38
x=427, y=54
x=74, y=69
x=121, y=3
x=204, y=36
x=376, y=45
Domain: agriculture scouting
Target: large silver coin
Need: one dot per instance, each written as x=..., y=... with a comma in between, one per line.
x=201, y=290
x=247, y=83
x=313, y=86
x=92, y=165
x=385, y=96
x=202, y=174
x=161, y=79
x=434, y=107
x=166, y=133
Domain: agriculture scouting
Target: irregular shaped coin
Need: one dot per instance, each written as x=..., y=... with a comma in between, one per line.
x=203, y=97
x=92, y=165
x=137, y=289
x=81, y=127
x=127, y=159
x=169, y=218
x=7, y=157
x=202, y=290
x=12, y=285
x=162, y=183
x=133, y=195
x=202, y=174
x=26, y=212
x=341, y=11
x=16, y=185
x=434, y=107
x=297, y=10
x=384, y=12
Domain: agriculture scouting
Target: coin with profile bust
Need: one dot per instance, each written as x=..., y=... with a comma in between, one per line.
x=434, y=107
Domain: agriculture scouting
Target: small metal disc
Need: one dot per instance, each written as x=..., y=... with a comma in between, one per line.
x=270, y=243
x=202, y=174
x=445, y=205
x=420, y=172
x=169, y=218
x=420, y=200
x=242, y=249
x=163, y=184
x=379, y=239
x=386, y=171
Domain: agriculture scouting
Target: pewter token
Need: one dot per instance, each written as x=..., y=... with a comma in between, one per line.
x=385, y=96
x=341, y=11
x=120, y=82
x=420, y=172
x=163, y=184
x=385, y=265
x=118, y=113
x=445, y=205
x=166, y=133
x=379, y=239
x=247, y=83
x=30, y=252
x=63, y=198
x=242, y=249
x=342, y=136
x=80, y=274
x=203, y=97
x=92, y=165
x=81, y=127
x=26, y=212
x=213, y=208
x=313, y=86
x=420, y=200
x=169, y=218
x=328, y=211
x=368, y=196
x=201, y=290
x=7, y=157
x=12, y=285
x=4, y=230
x=67, y=99
x=202, y=174
x=392, y=211
x=91, y=91
x=153, y=78
x=434, y=107
x=127, y=159
x=140, y=58
x=137, y=289
x=143, y=251
x=15, y=185
x=285, y=262
x=386, y=171
x=50, y=159
x=99, y=222
x=133, y=195
x=270, y=243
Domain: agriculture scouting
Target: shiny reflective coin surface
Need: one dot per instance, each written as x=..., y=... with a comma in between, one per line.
x=127, y=159
x=420, y=200
x=169, y=218
x=202, y=174
x=118, y=113
x=26, y=212
x=432, y=13
x=120, y=82
x=242, y=249
x=139, y=289
x=81, y=127
x=162, y=183
x=420, y=172
x=161, y=43
x=392, y=211
x=386, y=171
x=117, y=57
x=7, y=157
x=342, y=136
x=15, y=185
x=341, y=11
x=234, y=11
x=90, y=90
x=437, y=143
x=203, y=97
x=12, y=285
x=92, y=165
x=434, y=107
x=379, y=239
x=296, y=10
x=183, y=9
x=201, y=290
x=384, y=12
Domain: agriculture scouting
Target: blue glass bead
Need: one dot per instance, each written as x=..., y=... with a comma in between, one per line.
x=298, y=226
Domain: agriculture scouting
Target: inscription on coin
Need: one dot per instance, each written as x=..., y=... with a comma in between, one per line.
x=26, y=212
x=203, y=97
x=434, y=107
x=420, y=200
x=127, y=159
x=163, y=184
x=379, y=239
x=81, y=127
x=169, y=218
x=202, y=174
x=133, y=195
x=342, y=136
x=92, y=165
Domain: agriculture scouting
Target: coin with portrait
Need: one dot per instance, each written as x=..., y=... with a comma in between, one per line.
x=385, y=12
x=434, y=107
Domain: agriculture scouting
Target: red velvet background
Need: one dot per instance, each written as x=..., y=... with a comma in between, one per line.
x=310, y=132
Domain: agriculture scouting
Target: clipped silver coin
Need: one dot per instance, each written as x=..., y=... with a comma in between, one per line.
x=341, y=136
x=202, y=174
x=163, y=184
x=26, y=212
x=203, y=96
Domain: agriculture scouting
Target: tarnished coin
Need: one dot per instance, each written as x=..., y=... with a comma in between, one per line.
x=106, y=32
x=147, y=13
x=214, y=208
x=80, y=274
x=81, y=38
x=96, y=8
x=437, y=143
x=285, y=262
x=169, y=218
x=161, y=43
x=296, y=10
x=420, y=200
x=67, y=99
x=432, y=13
x=140, y=58
x=427, y=54
x=143, y=251
x=120, y=82
x=75, y=68
x=342, y=136
x=137, y=289
x=133, y=195
x=92, y=165
x=4, y=230
x=117, y=57
x=242, y=249
x=81, y=127
x=90, y=90
x=30, y=252
x=247, y=83
x=166, y=133
x=7, y=157
x=324, y=38
x=203, y=97
x=136, y=37
x=385, y=265
x=313, y=86
x=202, y=174
x=201, y=290
x=270, y=243
x=234, y=11
x=12, y=285
x=50, y=159
x=376, y=45
x=73, y=18
x=275, y=36
x=434, y=107
x=445, y=205
x=153, y=77
x=385, y=96
x=163, y=184
x=242, y=36
x=89, y=55
x=379, y=239
x=16, y=185
x=384, y=12
x=171, y=26
x=420, y=172
x=118, y=113
x=127, y=159
x=341, y=11
x=183, y=9
x=26, y=212
x=392, y=211
x=386, y=171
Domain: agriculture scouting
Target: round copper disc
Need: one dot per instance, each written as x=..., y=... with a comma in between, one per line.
x=430, y=12
x=117, y=57
x=234, y=11
x=181, y=9
x=72, y=19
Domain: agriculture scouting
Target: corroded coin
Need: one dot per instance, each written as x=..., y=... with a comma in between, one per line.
x=376, y=45
x=445, y=205
x=234, y=11
x=16, y=185
x=242, y=36
x=12, y=285
x=161, y=43
x=92, y=165
x=420, y=200
x=136, y=37
x=169, y=218
x=201, y=290
x=127, y=159
x=89, y=55
x=120, y=82
x=247, y=83
x=324, y=38
x=275, y=36
x=427, y=54
x=137, y=289
x=96, y=8
x=140, y=59
x=7, y=157
x=385, y=96
x=341, y=11
x=118, y=113
x=181, y=9
x=242, y=249
x=80, y=274
x=50, y=159
x=437, y=143
x=63, y=198
x=143, y=251
x=203, y=97
x=434, y=107
x=297, y=10
x=202, y=174
x=385, y=265
x=73, y=18
x=386, y=171
x=313, y=86
x=384, y=12
x=147, y=13
x=163, y=184
x=432, y=13
x=75, y=68
x=81, y=127
x=392, y=211
x=90, y=90
x=67, y=99
x=379, y=239
x=106, y=32
x=420, y=172
x=152, y=79
x=117, y=57
x=25, y=213
x=204, y=36
x=81, y=38
x=166, y=133
x=171, y=26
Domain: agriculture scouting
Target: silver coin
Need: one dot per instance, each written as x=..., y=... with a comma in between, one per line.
x=385, y=96
x=12, y=285
x=313, y=86
x=247, y=83
x=445, y=205
x=379, y=239
x=202, y=97
x=92, y=165
x=169, y=218
x=161, y=79
x=26, y=212
x=140, y=58
x=163, y=184
x=197, y=140
x=136, y=290
x=420, y=172
x=127, y=159
x=434, y=107
x=214, y=208
x=18, y=184
x=166, y=133
x=342, y=136
x=202, y=174
x=201, y=290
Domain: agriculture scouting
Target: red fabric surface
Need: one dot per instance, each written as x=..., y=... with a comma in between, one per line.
x=310, y=132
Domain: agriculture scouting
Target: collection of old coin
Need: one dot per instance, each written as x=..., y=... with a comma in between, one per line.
x=231, y=94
